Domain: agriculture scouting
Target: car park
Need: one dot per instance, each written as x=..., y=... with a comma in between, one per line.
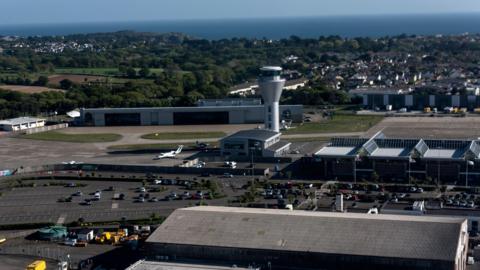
x=470, y=204
x=86, y=202
x=153, y=199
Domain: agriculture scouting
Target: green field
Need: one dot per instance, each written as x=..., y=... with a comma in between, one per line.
x=98, y=71
x=339, y=123
x=74, y=138
x=183, y=135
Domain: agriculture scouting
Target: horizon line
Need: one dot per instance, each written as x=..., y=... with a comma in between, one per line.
x=246, y=18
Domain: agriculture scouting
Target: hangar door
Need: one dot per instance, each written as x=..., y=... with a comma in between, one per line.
x=122, y=119
x=200, y=118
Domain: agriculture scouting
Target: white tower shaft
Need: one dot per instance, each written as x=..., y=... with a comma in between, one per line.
x=271, y=86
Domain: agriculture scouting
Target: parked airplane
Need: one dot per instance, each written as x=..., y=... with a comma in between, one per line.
x=71, y=162
x=170, y=154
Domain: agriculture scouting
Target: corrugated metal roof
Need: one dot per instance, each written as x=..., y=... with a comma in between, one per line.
x=20, y=120
x=322, y=232
x=337, y=151
x=378, y=146
x=278, y=145
x=152, y=265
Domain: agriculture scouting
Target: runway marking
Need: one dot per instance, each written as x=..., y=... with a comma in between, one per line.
x=114, y=205
x=61, y=219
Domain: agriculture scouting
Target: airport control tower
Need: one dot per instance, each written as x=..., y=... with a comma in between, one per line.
x=271, y=86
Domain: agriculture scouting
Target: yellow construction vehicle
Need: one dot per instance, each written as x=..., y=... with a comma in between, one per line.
x=37, y=265
x=104, y=237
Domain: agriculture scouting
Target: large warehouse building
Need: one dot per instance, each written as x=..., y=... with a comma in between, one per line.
x=394, y=159
x=419, y=102
x=282, y=239
x=232, y=113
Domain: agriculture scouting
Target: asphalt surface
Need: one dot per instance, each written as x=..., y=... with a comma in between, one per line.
x=429, y=127
x=9, y=262
x=39, y=204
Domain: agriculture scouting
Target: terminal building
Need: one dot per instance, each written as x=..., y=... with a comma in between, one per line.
x=208, y=112
x=399, y=160
x=282, y=239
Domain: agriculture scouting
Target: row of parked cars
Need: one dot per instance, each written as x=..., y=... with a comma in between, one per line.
x=460, y=200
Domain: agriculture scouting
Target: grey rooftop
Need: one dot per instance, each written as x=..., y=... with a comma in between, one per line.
x=395, y=148
x=20, y=120
x=253, y=134
x=415, y=237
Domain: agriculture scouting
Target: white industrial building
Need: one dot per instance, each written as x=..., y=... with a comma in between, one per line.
x=208, y=112
x=21, y=123
x=255, y=142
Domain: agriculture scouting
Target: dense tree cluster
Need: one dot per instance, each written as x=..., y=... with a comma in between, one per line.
x=190, y=68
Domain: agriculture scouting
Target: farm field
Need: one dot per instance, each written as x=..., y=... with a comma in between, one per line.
x=79, y=79
x=29, y=89
x=98, y=71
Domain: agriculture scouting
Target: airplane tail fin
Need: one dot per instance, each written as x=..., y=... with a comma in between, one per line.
x=179, y=150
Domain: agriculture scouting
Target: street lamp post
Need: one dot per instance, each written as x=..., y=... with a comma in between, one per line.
x=410, y=161
x=355, y=159
x=253, y=149
x=467, y=164
x=438, y=172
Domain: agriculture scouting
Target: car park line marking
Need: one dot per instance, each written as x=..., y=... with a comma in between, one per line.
x=114, y=205
x=61, y=219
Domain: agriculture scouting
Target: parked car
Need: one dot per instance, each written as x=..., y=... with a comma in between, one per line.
x=470, y=204
x=153, y=199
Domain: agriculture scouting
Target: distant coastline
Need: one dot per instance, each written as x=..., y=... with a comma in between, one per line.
x=275, y=28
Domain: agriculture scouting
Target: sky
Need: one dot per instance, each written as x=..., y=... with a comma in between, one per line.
x=74, y=11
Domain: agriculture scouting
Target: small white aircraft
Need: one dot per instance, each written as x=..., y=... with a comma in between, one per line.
x=71, y=162
x=170, y=154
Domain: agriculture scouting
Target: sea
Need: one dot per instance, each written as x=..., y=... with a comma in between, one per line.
x=273, y=28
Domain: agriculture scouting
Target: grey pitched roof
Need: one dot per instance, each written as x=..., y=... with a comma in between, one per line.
x=278, y=145
x=153, y=265
x=380, y=147
x=416, y=237
x=20, y=120
x=255, y=134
